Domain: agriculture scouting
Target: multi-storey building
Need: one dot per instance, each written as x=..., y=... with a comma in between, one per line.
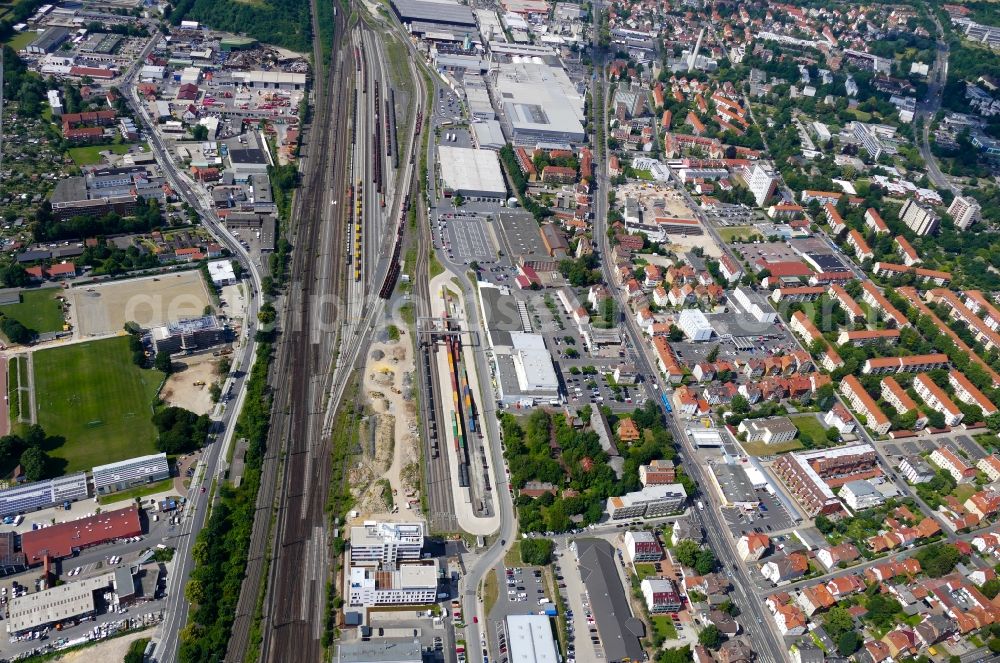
x=863, y=403
x=965, y=211
x=919, y=219
x=894, y=394
x=936, y=399
x=386, y=544
x=967, y=392
x=911, y=364
x=948, y=461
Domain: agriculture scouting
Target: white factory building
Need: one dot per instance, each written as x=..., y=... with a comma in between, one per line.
x=695, y=325
x=540, y=104
x=472, y=174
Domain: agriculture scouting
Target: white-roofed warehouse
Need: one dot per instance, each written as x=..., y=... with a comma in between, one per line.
x=472, y=173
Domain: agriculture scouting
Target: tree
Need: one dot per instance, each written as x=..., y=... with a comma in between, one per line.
x=163, y=363
x=710, y=637
x=35, y=464
x=838, y=621
x=740, y=404
x=536, y=552
x=848, y=643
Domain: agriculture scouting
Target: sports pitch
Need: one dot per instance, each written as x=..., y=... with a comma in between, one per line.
x=93, y=395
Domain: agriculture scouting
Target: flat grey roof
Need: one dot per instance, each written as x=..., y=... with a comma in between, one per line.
x=447, y=13
x=734, y=483
x=618, y=629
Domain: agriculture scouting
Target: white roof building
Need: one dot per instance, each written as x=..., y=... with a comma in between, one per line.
x=529, y=639
x=472, y=173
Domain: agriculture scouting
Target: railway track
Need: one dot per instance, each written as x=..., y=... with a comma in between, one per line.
x=298, y=382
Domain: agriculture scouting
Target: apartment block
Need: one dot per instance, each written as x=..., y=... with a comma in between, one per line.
x=894, y=394
x=965, y=211
x=948, y=461
x=968, y=393
x=936, y=399
x=852, y=389
x=921, y=220
x=874, y=298
x=912, y=364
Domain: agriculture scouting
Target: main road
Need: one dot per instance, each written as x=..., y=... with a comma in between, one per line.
x=214, y=463
x=767, y=644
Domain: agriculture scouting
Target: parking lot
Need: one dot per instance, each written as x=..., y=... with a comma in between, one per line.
x=770, y=517
x=469, y=239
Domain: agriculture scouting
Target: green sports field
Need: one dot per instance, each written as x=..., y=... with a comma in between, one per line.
x=94, y=396
x=38, y=310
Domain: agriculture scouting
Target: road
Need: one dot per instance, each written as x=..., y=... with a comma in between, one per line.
x=927, y=108
x=176, y=607
x=769, y=646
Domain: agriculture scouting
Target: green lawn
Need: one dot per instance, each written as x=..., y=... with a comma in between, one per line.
x=736, y=232
x=664, y=626
x=94, y=396
x=644, y=570
x=88, y=155
x=38, y=310
x=762, y=449
x=811, y=426
x=22, y=40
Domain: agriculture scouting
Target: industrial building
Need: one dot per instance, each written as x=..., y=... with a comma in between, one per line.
x=522, y=364
x=618, y=629
x=72, y=600
x=43, y=494
x=434, y=12
x=695, y=325
x=63, y=539
x=472, y=174
x=529, y=639
x=132, y=472
x=382, y=651
x=189, y=335
x=388, y=544
x=540, y=104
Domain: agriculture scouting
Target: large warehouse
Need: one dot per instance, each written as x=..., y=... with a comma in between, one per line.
x=435, y=11
x=540, y=104
x=473, y=174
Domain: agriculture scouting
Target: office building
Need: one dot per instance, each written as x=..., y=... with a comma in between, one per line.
x=642, y=546
x=189, y=335
x=650, y=502
x=36, y=495
x=769, y=430
x=386, y=544
x=408, y=584
x=754, y=305
x=128, y=473
x=860, y=495
x=965, y=211
x=915, y=469
x=661, y=595
x=919, y=219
